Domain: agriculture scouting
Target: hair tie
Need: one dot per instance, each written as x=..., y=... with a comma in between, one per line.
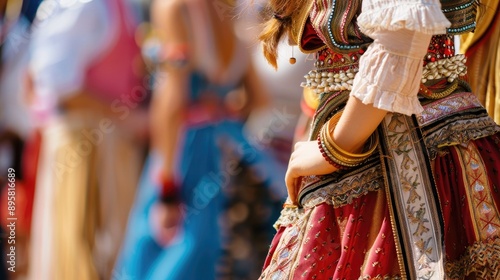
x=280, y=17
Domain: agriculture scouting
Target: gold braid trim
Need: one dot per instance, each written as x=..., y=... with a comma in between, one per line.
x=481, y=260
x=380, y=277
x=299, y=20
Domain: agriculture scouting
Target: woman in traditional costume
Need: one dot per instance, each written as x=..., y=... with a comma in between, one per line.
x=180, y=226
x=400, y=177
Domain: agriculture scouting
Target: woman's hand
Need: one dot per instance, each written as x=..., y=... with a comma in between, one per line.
x=166, y=222
x=305, y=160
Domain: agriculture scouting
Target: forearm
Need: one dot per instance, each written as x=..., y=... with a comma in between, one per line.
x=167, y=117
x=165, y=133
x=388, y=80
x=357, y=123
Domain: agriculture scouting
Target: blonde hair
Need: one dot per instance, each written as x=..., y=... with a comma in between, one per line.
x=279, y=16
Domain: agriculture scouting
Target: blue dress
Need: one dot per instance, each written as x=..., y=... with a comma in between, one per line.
x=206, y=176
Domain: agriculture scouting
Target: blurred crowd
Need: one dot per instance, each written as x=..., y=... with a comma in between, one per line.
x=99, y=99
x=80, y=81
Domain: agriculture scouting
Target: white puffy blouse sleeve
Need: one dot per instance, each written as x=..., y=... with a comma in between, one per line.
x=391, y=69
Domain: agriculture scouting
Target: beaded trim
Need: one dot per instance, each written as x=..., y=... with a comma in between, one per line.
x=461, y=14
x=462, y=29
x=330, y=33
x=440, y=46
x=450, y=68
x=322, y=81
x=329, y=60
x=456, y=8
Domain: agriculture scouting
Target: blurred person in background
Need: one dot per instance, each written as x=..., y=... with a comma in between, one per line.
x=182, y=221
x=482, y=48
x=85, y=89
x=18, y=141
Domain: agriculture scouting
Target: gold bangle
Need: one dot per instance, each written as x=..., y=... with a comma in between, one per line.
x=335, y=158
x=332, y=152
x=373, y=147
x=325, y=153
x=340, y=154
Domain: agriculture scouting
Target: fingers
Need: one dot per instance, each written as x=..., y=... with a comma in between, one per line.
x=292, y=178
x=292, y=187
x=165, y=222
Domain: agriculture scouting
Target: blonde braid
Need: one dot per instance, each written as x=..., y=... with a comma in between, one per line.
x=279, y=14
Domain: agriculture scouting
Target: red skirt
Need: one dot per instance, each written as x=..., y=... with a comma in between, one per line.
x=352, y=226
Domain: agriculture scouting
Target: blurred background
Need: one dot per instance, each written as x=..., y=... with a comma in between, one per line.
x=77, y=80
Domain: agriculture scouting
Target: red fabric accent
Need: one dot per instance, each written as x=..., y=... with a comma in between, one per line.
x=30, y=170
x=274, y=245
x=448, y=177
x=337, y=243
x=24, y=189
x=310, y=39
x=115, y=73
x=346, y=244
x=488, y=148
x=458, y=223
x=356, y=240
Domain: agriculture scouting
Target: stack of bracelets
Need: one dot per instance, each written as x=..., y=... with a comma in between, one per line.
x=334, y=154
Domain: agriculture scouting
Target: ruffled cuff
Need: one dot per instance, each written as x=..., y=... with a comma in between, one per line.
x=389, y=81
x=424, y=16
x=387, y=100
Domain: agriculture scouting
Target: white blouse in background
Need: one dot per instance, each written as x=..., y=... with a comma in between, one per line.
x=65, y=41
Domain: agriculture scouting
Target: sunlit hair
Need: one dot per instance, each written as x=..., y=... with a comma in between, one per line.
x=278, y=15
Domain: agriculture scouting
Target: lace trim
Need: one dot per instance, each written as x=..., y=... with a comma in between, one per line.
x=423, y=16
x=288, y=216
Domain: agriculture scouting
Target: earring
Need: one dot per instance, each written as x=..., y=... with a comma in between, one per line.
x=292, y=59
